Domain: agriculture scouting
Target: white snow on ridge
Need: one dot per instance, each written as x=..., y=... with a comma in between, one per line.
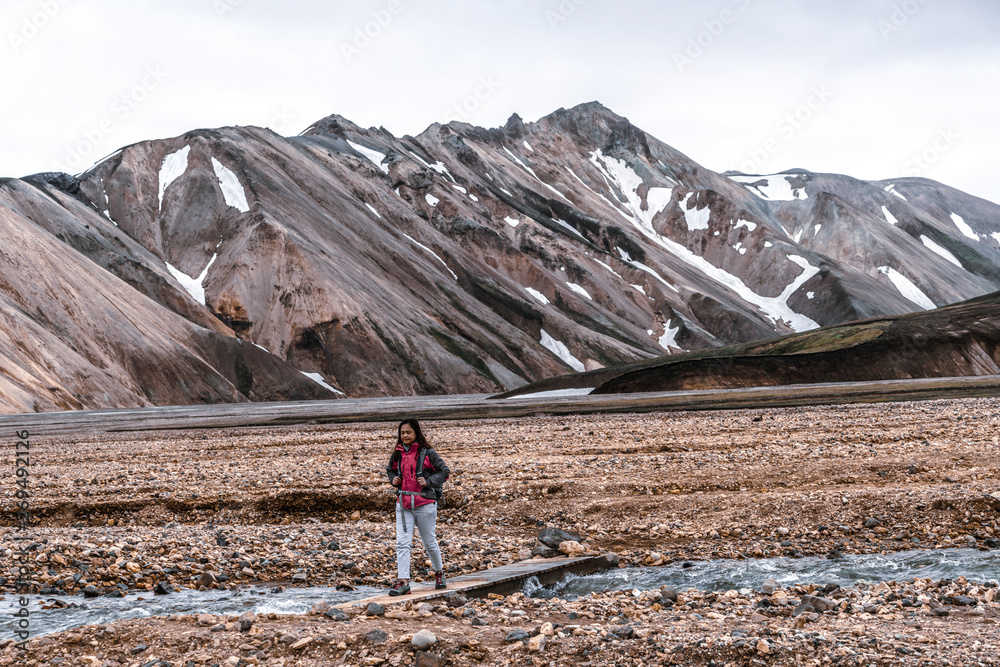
x=528, y=146
x=431, y=199
x=669, y=337
x=436, y=256
x=628, y=182
x=559, y=349
x=889, y=217
x=891, y=189
x=316, y=377
x=963, y=227
x=372, y=209
x=751, y=226
x=538, y=295
x=995, y=235
x=778, y=187
x=532, y=172
x=695, y=218
x=906, y=287
x=371, y=154
x=193, y=286
x=934, y=247
x=568, y=226
x=233, y=192
x=580, y=290
x=172, y=168
x=513, y=222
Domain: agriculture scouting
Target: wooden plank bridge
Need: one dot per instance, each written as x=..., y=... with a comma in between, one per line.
x=503, y=579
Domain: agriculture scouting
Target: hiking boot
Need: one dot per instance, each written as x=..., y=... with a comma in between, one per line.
x=399, y=588
x=439, y=580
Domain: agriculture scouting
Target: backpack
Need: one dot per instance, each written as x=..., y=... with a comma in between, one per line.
x=436, y=492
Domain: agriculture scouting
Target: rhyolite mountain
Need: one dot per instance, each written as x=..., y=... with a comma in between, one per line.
x=225, y=264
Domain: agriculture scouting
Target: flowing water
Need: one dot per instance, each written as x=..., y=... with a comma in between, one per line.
x=706, y=575
x=715, y=575
x=86, y=611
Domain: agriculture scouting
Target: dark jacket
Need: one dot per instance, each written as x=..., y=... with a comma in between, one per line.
x=430, y=466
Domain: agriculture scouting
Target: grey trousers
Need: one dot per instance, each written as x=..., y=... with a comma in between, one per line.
x=423, y=518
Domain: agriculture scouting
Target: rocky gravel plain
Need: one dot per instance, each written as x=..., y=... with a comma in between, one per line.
x=308, y=505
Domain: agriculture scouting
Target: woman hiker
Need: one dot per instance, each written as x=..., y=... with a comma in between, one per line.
x=418, y=473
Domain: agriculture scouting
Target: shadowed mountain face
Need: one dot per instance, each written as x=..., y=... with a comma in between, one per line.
x=461, y=260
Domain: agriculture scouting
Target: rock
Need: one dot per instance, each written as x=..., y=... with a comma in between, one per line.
x=623, y=631
x=299, y=578
x=872, y=523
x=516, y=635
x=319, y=608
x=206, y=579
x=163, y=588
x=289, y=639
x=91, y=591
x=301, y=644
x=961, y=601
x=763, y=647
x=138, y=648
x=542, y=551
x=423, y=639
x=758, y=617
x=246, y=620
x=769, y=586
x=425, y=659
x=668, y=592
x=356, y=515
x=940, y=611
x=536, y=644
x=546, y=629
x=376, y=636
x=206, y=619
x=812, y=603
x=336, y=615
x=552, y=537
x=374, y=609
x=834, y=554
x=571, y=548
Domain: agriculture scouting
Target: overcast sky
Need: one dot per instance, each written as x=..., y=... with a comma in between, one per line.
x=871, y=88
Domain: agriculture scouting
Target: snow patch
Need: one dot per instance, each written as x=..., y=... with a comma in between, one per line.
x=438, y=258
x=907, y=288
x=810, y=295
x=891, y=189
x=628, y=183
x=816, y=229
x=172, y=168
x=751, y=226
x=776, y=187
x=963, y=227
x=559, y=349
x=371, y=154
x=528, y=146
x=669, y=337
x=996, y=236
x=317, y=378
x=233, y=192
x=889, y=217
x=695, y=218
x=193, y=286
x=934, y=247
x=262, y=347
x=570, y=227
x=431, y=199
x=579, y=290
x=372, y=209
x=640, y=289
x=513, y=222
x=532, y=172
x=459, y=188
x=538, y=295
x=768, y=244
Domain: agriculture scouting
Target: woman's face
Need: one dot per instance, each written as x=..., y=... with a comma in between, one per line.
x=407, y=435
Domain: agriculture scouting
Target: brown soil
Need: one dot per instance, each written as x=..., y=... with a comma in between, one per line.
x=655, y=488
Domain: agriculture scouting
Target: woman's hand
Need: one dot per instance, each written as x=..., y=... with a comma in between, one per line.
x=396, y=481
x=422, y=482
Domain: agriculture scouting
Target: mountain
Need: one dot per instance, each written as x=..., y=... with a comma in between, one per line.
x=960, y=340
x=461, y=260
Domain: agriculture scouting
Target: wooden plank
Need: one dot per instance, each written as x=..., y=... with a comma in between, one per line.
x=505, y=578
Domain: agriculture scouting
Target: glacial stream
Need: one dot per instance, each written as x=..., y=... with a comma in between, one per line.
x=705, y=575
x=716, y=575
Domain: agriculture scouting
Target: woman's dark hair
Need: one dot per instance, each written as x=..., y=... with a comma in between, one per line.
x=412, y=423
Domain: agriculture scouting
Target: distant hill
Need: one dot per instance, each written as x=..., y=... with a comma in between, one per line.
x=958, y=340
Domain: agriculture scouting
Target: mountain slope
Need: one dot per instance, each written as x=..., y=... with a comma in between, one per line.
x=477, y=260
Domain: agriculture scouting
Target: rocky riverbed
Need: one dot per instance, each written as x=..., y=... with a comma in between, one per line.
x=307, y=505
